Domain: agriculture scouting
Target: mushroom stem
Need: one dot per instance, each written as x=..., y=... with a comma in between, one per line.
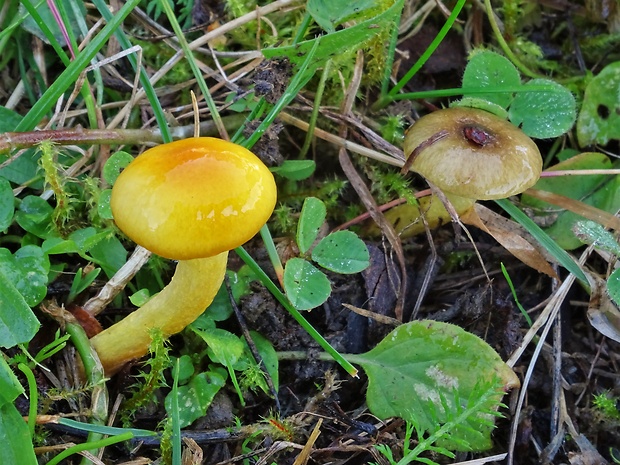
x=407, y=218
x=192, y=288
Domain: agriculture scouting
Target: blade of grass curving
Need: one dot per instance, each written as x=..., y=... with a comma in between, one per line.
x=543, y=238
x=73, y=70
x=514, y=294
x=504, y=45
x=194, y=67
x=107, y=430
x=90, y=445
x=151, y=96
x=33, y=397
x=430, y=49
x=269, y=284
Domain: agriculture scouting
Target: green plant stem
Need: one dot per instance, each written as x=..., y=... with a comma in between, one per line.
x=504, y=45
x=217, y=119
x=33, y=397
x=315, y=110
x=96, y=378
x=176, y=422
x=269, y=284
x=430, y=49
x=90, y=445
x=274, y=258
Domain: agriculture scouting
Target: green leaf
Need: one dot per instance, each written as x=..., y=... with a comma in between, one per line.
x=239, y=282
x=269, y=355
x=47, y=17
x=9, y=119
x=337, y=43
x=103, y=205
x=34, y=216
x=613, y=287
x=331, y=13
x=115, y=165
x=295, y=170
x=422, y=362
x=544, y=114
x=600, y=191
x=10, y=387
x=599, y=121
x=590, y=232
x=139, y=298
x=17, y=444
x=27, y=269
x=486, y=69
x=108, y=253
x=223, y=346
x=480, y=104
x=7, y=204
x=305, y=286
x=313, y=214
x=269, y=358
x=185, y=369
x=17, y=322
x=196, y=396
x=342, y=252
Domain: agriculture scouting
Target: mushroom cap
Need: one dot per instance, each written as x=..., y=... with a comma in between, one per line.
x=481, y=156
x=193, y=198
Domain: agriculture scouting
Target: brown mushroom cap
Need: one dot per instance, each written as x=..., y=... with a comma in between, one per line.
x=481, y=156
x=193, y=198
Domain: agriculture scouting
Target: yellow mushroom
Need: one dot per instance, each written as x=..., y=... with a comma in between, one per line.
x=193, y=201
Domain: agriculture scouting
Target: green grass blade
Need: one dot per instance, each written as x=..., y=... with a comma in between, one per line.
x=543, y=238
x=158, y=111
x=70, y=75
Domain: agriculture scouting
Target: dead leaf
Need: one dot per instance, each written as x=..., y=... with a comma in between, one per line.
x=511, y=236
x=580, y=208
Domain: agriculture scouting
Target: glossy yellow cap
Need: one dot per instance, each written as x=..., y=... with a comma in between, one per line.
x=193, y=198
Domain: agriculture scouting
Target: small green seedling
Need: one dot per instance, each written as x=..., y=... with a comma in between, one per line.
x=81, y=281
x=341, y=252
